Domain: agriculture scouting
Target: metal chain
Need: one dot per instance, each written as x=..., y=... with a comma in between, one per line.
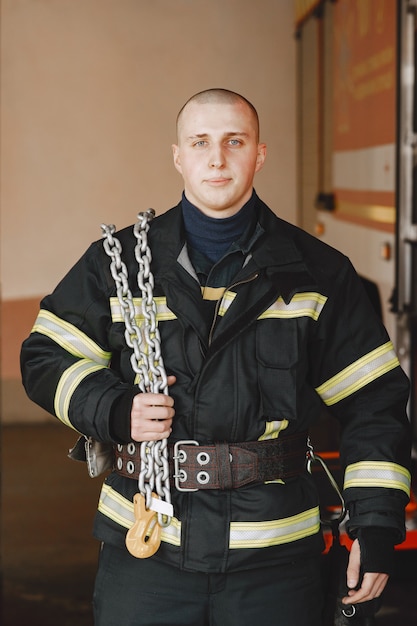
x=146, y=358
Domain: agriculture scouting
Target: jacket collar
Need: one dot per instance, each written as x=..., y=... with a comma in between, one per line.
x=275, y=255
x=276, y=246
x=275, y=251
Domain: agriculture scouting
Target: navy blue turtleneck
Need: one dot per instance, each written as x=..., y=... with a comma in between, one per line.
x=213, y=236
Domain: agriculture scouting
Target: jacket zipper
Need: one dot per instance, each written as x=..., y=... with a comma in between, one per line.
x=216, y=310
x=210, y=337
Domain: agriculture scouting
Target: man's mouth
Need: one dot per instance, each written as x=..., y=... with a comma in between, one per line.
x=218, y=181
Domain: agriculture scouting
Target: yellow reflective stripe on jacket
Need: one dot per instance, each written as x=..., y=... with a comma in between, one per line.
x=273, y=428
x=163, y=313
x=116, y=507
x=308, y=304
x=242, y=534
x=275, y=532
x=70, y=338
x=212, y=293
x=378, y=474
x=227, y=300
x=272, y=431
x=362, y=372
x=113, y=505
x=68, y=383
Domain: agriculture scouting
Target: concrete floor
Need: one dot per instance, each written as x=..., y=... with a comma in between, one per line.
x=48, y=554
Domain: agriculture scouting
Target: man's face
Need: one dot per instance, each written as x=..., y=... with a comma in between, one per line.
x=218, y=155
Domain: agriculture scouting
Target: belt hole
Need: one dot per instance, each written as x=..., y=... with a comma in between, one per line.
x=182, y=456
x=203, y=478
x=203, y=458
x=130, y=467
x=119, y=463
x=182, y=475
x=131, y=449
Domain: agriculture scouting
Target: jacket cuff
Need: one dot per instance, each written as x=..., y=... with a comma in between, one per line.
x=377, y=548
x=120, y=420
x=386, y=512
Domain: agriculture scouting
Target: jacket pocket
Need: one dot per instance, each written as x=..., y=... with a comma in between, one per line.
x=277, y=358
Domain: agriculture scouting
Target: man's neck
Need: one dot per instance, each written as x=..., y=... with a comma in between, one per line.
x=214, y=236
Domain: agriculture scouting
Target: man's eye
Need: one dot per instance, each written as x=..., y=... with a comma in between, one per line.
x=235, y=142
x=201, y=143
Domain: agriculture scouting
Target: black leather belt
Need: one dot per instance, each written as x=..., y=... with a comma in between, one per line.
x=223, y=465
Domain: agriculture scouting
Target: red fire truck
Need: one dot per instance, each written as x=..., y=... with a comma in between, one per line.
x=357, y=172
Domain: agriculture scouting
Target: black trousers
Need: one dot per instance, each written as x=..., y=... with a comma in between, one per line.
x=145, y=592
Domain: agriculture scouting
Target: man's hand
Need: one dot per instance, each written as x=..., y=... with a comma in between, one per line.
x=372, y=585
x=151, y=415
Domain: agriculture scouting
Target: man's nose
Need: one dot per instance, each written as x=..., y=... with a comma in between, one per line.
x=216, y=157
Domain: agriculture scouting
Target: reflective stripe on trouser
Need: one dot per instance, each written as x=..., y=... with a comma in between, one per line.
x=146, y=592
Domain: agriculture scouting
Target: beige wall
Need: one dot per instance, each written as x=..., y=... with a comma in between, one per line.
x=89, y=94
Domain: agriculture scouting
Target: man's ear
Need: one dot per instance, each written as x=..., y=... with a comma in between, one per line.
x=176, y=157
x=261, y=156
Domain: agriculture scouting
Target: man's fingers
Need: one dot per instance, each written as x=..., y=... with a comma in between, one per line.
x=153, y=399
x=143, y=403
x=150, y=435
x=150, y=430
x=157, y=413
x=151, y=416
x=353, y=569
x=372, y=586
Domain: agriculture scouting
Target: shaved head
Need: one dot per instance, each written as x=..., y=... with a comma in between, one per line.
x=220, y=96
x=218, y=151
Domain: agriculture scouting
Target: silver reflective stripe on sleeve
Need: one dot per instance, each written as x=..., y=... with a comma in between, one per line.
x=69, y=337
x=68, y=383
x=360, y=373
x=76, y=343
x=377, y=474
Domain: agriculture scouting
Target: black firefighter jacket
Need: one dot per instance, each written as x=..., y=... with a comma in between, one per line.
x=294, y=330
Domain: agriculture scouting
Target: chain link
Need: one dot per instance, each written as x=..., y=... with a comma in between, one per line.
x=145, y=342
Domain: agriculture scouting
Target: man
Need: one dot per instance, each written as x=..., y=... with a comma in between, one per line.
x=260, y=324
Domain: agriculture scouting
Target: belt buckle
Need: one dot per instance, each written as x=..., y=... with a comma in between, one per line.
x=179, y=457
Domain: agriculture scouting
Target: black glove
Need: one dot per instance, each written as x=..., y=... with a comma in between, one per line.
x=377, y=548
